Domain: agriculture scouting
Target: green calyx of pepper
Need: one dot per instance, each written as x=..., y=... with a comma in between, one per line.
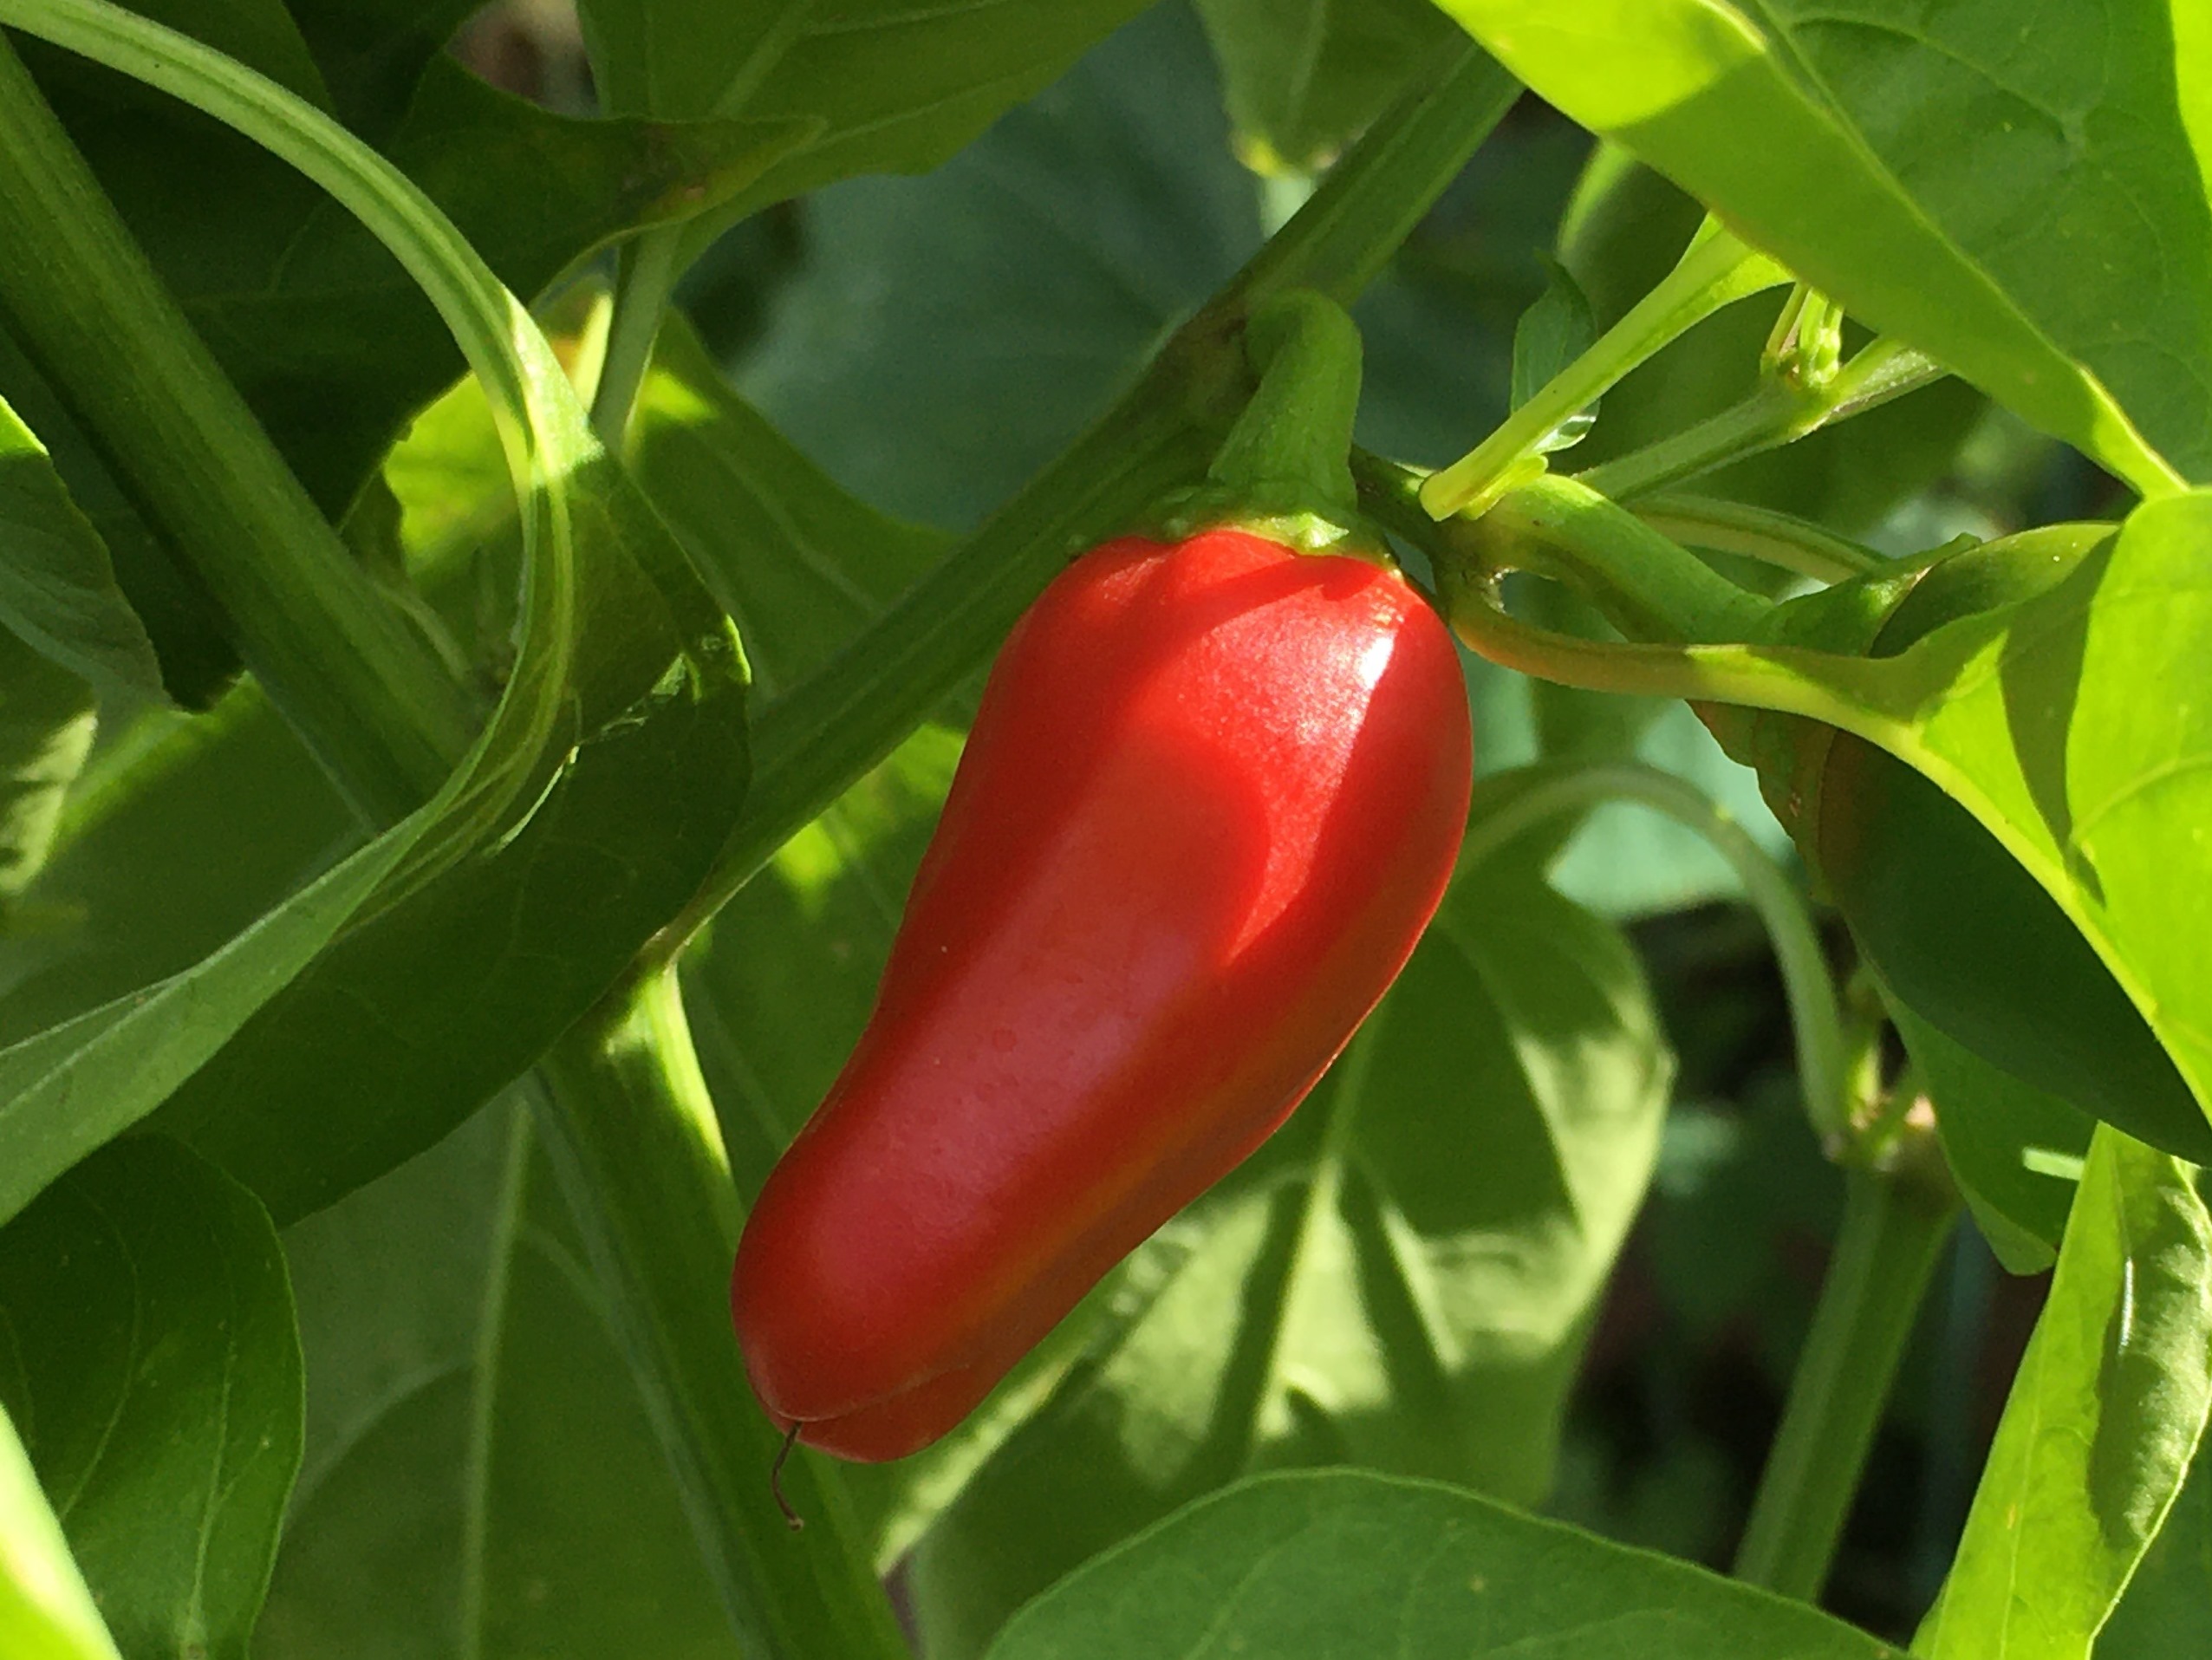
x=1285, y=470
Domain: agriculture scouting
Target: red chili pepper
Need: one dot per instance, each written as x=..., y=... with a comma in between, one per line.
x=1212, y=797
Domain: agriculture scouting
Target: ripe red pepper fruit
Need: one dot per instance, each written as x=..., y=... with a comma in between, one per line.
x=1213, y=794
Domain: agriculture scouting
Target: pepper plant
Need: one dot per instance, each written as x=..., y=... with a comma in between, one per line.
x=493, y=599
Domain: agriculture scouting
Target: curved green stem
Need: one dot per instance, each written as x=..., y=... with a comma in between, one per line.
x=1644, y=583
x=1892, y=1233
x=1782, y=410
x=1714, y=271
x=1852, y=692
x=1540, y=793
x=364, y=687
x=1758, y=533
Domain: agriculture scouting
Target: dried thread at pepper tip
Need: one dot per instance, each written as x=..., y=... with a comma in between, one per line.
x=792, y=1518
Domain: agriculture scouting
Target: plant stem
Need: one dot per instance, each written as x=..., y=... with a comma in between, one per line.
x=632, y=1133
x=365, y=689
x=644, y=275
x=1715, y=271
x=1540, y=793
x=1644, y=585
x=1758, y=533
x=1781, y=411
x=1892, y=1233
x=1348, y=230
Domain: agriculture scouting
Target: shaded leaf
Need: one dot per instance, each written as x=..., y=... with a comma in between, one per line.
x=1303, y=80
x=460, y=1504
x=951, y=334
x=799, y=564
x=130, y=892
x=57, y=590
x=1998, y=209
x=153, y=1370
x=2009, y=1145
x=423, y=1011
x=896, y=87
x=2103, y=1418
x=1316, y=1565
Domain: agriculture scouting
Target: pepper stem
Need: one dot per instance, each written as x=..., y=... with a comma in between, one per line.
x=1290, y=449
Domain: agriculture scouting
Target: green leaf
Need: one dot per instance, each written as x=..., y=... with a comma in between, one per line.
x=154, y=1371
x=372, y=52
x=57, y=590
x=1996, y=209
x=75, y=1086
x=1316, y=1565
x=2015, y=1150
x=2077, y=727
x=46, y=1613
x=2166, y=1611
x=895, y=87
x=2103, y=1417
x=45, y=726
x=455, y=1499
x=1400, y=1279
x=1302, y=81
x=195, y=661
x=933, y=374
x=800, y=565
x=129, y=892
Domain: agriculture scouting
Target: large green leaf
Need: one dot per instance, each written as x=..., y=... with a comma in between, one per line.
x=46, y=1613
x=1400, y=1279
x=152, y=1366
x=2103, y=1418
x=2000, y=208
x=895, y=87
x=949, y=334
x=57, y=590
x=1302, y=80
x=450, y=1497
x=1335, y=1565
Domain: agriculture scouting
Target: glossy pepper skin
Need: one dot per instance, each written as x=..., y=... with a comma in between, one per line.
x=1212, y=797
